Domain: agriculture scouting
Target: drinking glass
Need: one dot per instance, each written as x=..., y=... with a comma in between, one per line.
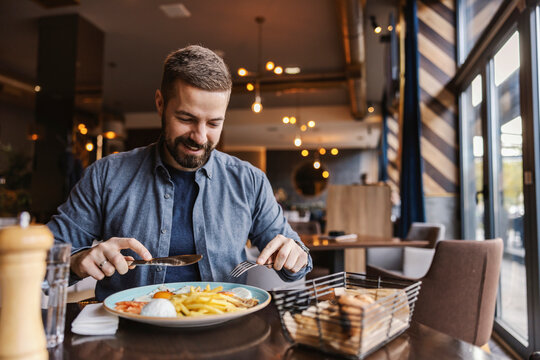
x=54, y=293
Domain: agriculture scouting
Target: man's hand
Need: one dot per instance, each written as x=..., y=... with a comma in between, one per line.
x=285, y=253
x=105, y=259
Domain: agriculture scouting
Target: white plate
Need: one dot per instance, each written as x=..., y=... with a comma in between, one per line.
x=204, y=320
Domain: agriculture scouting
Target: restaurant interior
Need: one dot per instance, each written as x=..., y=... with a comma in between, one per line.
x=412, y=126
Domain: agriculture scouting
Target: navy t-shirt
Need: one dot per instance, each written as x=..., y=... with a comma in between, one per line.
x=182, y=241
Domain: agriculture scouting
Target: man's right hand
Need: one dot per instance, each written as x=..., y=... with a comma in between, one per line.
x=105, y=259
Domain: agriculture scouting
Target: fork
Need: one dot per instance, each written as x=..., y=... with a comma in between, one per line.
x=245, y=266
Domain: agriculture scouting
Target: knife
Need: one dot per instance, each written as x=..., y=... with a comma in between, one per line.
x=178, y=260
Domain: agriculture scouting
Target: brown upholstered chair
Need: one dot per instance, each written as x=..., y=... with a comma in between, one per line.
x=458, y=293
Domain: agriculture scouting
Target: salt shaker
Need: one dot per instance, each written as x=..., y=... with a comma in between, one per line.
x=23, y=250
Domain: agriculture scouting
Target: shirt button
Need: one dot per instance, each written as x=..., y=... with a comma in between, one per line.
x=167, y=196
x=159, y=268
x=163, y=231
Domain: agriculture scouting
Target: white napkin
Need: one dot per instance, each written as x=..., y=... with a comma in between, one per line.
x=94, y=320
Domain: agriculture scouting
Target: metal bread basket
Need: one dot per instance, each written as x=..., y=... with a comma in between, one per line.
x=346, y=313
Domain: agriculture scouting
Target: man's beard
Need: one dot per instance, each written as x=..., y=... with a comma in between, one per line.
x=186, y=160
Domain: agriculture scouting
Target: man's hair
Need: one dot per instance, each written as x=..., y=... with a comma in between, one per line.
x=197, y=66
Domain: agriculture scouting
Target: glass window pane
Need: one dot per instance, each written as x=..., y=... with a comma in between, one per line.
x=507, y=119
x=473, y=162
x=476, y=16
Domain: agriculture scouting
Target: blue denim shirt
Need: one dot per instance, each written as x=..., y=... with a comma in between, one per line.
x=131, y=194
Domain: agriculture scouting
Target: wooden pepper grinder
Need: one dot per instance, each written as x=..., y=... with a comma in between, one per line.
x=23, y=251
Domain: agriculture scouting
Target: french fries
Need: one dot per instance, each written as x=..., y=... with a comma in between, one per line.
x=205, y=302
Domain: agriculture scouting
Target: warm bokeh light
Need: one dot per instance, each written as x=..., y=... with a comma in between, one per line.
x=297, y=141
x=81, y=126
x=311, y=123
x=34, y=137
x=370, y=109
x=303, y=127
x=256, y=107
x=322, y=151
x=89, y=146
x=84, y=131
x=305, y=153
x=390, y=28
x=285, y=119
x=334, y=151
x=292, y=70
x=269, y=66
x=242, y=72
x=37, y=88
x=377, y=30
x=293, y=120
x=110, y=134
x=278, y=70
x=316, y=164
x=115, y=152
x=250, y=87
x=325, y=174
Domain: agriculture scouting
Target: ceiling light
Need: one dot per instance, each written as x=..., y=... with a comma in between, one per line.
x=390, y=28
x=285, y=119
x=292, y=70
x=303, y=127
x=89, y=146
x=311, y=123
x=325, y=174
x=84, y=131
x=293, y=120
x=37, y=88
x=297, y=141
x=34, y=137
x=322, y=151
x=376, y=28
x=270, y=66
x=370, y=109
x=250, y=87
x=316, y=164
x=257, y=106
x=305, y=153
x=175, y=10
x=334, y=151
x=110, y=135
x=278, y=70
x=242, y=72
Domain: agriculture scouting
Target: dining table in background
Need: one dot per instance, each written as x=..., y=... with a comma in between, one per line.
x=336, y=249
x=255, y=336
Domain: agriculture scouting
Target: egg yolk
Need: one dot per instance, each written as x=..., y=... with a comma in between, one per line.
x=162, y=295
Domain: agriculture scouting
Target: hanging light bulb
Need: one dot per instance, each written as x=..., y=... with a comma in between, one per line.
x=305, y=153
x=293, y=120
x=334, y=151
x=278, y=70
x=285, y=119
x=89, y=146
x=250, y=87
x=322, y=151
x=317, y=164
x=269, y=66
x=325, y=174
x=257, y=106
x=303, y=127
x=297, y=141
x=242, y=72
x=311, y=123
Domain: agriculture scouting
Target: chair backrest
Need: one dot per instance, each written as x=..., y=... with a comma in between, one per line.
x=307, y=227
x=459, y=291
x=427, y=231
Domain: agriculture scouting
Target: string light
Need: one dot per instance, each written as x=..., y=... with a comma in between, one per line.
x=270, y=66
x=84, y=131
x=89, y=146
x=110, y=135
x=297, y=141
x=370, y=109
x=322, y=151
x=278, y=70
x=325, y=174
x=242, y=72
x=293, y=120
x=303, y=127
x=34, y=137
x=334, y=151
x=285, y=119
x=250, y=87
x=311, y=123
x=317, y=164
x=305, y=153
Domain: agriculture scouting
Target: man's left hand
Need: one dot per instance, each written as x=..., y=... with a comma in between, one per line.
x=285, y=253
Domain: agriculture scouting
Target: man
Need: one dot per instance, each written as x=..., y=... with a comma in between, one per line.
x=178, y=196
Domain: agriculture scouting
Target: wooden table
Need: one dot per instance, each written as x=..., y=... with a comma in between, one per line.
x=255, y=336
x=336, y=249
